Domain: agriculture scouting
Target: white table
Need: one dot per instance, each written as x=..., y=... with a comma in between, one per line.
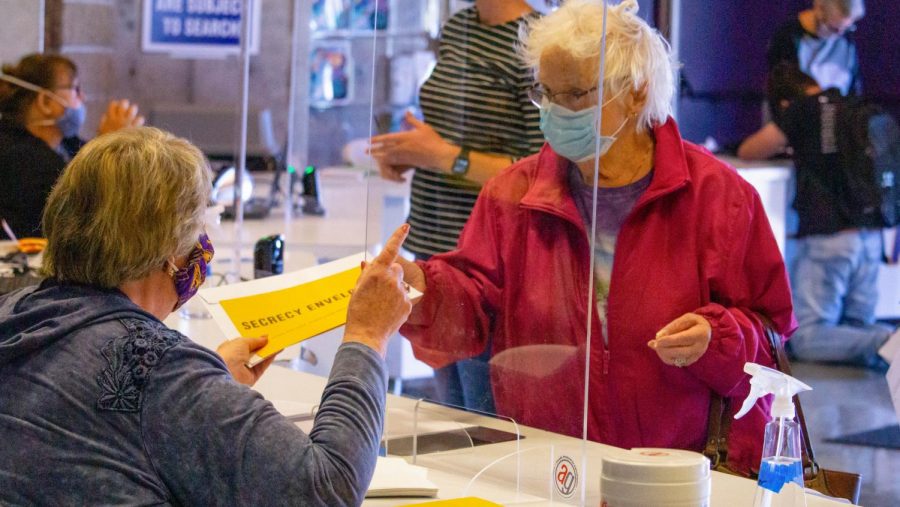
x=526, y=481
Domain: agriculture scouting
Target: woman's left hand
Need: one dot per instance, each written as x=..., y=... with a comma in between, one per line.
x=119, y=114
x=237, y=352
x=420, y=146
x=683, y=341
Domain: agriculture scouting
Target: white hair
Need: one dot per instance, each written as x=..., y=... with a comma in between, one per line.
x=855, y=9
x=637, y=56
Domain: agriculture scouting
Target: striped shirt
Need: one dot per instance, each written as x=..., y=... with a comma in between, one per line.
x=477, y=97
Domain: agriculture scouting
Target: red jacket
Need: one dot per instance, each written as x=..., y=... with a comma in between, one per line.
x=696, y=241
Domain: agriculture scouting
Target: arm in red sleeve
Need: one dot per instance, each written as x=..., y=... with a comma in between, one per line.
x=750, y=285
x=453, y=319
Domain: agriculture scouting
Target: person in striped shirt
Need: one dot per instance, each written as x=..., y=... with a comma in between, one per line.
x=478, y=120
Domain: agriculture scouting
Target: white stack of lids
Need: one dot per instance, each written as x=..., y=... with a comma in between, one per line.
x=657, y=477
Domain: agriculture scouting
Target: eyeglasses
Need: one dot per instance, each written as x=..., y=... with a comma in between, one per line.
x=75, y=87
x=832, y=29
x=537, y=93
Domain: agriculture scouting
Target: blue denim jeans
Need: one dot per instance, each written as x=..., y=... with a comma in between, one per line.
x=834, y=288
x=465, y=383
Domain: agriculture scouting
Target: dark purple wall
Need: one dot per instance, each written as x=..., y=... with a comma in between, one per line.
x=723, y=49
x=645, y=10
x=879, y=48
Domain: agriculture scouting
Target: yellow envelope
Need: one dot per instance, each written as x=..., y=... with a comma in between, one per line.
x=290, y=316
x=289, y=308
x=470, y=501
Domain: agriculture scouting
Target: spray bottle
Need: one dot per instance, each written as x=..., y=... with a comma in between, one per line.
x=781, y=459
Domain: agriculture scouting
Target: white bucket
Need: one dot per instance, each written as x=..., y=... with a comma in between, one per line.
x=657, y=477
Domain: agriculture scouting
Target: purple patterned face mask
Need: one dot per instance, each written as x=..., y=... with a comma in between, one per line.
x=189, y=278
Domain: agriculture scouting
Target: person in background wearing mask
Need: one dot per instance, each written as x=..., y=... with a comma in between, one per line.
x=839, y=251
x=687, y=270
x=819, y=42
x=41, y=113
x=102, y=404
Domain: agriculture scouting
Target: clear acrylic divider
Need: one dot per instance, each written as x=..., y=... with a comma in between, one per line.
x=535, y=483
x=522, y=337
x=548, y=471
x=491, y=457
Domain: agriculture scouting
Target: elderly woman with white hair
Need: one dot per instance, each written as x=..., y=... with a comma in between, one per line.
x=687, y=270
x=102, y=404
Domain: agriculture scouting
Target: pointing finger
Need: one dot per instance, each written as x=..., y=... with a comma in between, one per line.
x=392, y=247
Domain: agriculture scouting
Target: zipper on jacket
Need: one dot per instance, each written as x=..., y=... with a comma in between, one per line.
x=592, y=307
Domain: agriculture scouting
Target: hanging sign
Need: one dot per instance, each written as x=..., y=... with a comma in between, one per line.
x=197, y=28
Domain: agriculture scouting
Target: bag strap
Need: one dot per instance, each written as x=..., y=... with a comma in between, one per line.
x=720, y=421
x=716, y=445
x=810, y=466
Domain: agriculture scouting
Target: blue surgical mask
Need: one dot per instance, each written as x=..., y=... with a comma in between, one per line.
x=71, y=121
x=72, y=118
x=573, y=134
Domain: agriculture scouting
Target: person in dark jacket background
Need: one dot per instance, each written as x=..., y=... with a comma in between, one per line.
x=41, y=113
x=819, y=41
x=103, y=404
x=839, y=248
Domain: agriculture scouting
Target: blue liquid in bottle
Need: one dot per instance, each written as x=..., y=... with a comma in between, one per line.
x=774, y=473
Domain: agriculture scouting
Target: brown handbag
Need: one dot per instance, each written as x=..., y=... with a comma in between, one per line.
x=830, y=482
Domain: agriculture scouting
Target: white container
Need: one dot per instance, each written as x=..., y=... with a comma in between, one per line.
x=655, y=477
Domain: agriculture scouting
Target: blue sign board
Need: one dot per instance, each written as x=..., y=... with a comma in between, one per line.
x=210, y=28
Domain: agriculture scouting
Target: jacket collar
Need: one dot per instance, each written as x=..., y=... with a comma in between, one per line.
x=549, y=190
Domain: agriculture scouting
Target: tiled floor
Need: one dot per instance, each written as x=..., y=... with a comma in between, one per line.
x=851, y=400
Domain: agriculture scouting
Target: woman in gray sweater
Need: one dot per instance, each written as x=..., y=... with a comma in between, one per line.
x=103, y=404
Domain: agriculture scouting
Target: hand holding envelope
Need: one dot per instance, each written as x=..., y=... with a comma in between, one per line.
x=236, y=353
x=296, y=306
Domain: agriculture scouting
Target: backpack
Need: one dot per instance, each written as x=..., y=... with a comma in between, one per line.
x=869, y=143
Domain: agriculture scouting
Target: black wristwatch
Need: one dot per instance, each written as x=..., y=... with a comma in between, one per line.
x=461, y=164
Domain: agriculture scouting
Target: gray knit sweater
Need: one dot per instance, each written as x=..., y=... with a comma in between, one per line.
x=101, y=404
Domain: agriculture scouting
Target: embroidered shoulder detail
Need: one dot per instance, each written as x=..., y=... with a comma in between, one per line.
x=130, y=359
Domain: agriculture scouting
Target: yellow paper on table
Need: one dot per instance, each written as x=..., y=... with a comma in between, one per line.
x=469, y=501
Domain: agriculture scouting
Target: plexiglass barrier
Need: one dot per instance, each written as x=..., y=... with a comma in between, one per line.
x=505, y=269
x=404, y=111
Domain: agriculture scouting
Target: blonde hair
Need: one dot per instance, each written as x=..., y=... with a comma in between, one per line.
x=126, y=203
x=637, y=56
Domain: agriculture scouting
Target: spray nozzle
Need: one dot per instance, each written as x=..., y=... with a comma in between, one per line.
x=765, y=381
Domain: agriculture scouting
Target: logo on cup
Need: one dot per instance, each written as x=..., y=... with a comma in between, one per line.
x=566, y=476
